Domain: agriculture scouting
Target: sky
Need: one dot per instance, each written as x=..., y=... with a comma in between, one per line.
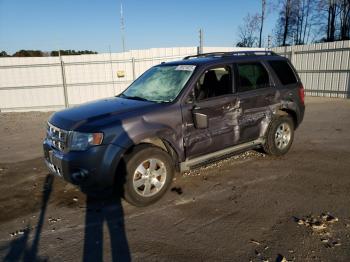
x=95, y=24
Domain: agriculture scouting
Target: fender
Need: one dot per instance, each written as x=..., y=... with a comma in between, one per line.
x=293, y=110
x=146, y=129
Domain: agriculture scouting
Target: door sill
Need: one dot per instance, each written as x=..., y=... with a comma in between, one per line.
x=198, y=161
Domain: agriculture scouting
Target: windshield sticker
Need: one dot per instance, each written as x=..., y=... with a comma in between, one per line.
x=185, y=68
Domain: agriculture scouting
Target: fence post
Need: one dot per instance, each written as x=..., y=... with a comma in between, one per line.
x=111, y=63
x=133, y=68
x=64, y=84
x=292, y=56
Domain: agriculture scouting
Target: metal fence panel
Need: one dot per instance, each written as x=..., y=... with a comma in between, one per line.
x=324, y=68
x=51, y=83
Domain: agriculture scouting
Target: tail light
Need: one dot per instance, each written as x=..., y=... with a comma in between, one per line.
x=302, y=93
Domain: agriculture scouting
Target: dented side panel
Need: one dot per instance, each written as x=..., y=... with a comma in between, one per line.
x=256, y=112
x=164, y=124
x=222, y=119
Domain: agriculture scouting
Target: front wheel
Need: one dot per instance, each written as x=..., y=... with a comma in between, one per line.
x=150, y=171
x=279, y=137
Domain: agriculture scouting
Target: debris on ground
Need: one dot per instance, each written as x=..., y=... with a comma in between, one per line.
x=255, y=242
x=220, y=163
x=329, y=218
x=75, y=199
x=320, y=225
x=2, y=170
x=54, y=220
x=20, y=232
x=281, y=258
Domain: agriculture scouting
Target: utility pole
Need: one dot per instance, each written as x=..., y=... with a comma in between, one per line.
x=200, y=48
x=122, y=26
x=262, y=18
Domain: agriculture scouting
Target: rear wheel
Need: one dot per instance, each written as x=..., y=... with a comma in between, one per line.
x=149, y=172
x=279, y=137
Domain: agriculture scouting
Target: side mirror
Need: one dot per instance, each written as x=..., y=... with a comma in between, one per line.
x=200, y=120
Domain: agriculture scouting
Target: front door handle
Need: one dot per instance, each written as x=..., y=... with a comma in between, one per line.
x=226, y=107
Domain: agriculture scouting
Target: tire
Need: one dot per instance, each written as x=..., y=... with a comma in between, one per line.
x=279, y=136
x=149, y=173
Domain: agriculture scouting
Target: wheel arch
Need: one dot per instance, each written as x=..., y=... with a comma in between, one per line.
x=161, y=143
x=291, y=113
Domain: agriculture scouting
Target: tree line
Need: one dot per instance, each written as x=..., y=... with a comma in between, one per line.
x=38, y=53
x=298, y=22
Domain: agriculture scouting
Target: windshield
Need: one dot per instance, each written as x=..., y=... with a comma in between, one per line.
x=160, y=83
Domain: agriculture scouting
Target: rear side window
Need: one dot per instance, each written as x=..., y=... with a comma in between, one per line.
x=284, y=72
x=252, y=76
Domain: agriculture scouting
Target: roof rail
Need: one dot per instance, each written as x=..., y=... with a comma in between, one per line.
x=234, y=53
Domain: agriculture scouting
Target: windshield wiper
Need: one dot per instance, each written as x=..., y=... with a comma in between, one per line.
x=134, y=97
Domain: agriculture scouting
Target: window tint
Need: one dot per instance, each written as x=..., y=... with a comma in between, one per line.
x=284, y=72
x=252, y=76
x=214, y=82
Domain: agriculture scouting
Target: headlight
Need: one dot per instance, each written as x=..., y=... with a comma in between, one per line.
x=82, y=141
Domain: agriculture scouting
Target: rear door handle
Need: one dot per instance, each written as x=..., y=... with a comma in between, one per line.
x=226, y=107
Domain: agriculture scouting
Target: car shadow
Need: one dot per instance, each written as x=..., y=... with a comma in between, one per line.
x=19, y=248
x=107, y=211
x=99, y=212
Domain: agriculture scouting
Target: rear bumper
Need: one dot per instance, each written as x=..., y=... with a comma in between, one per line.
x=94, y=168
x=301, y=114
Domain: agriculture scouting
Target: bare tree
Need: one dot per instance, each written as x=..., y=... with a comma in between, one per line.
x=248, y=31
x=302, y=16
x=332, y=14
x=262, y=19
x=286, y=15
x=284, y=22
x=344, y=19
x=302, y=21
x=334, y=19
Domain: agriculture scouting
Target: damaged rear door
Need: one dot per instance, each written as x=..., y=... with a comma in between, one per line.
x=210, y=114
x=257, y=96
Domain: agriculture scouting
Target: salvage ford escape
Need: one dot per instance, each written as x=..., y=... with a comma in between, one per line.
x=174, y=117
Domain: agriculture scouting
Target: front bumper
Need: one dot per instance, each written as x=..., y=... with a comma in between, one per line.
x=93, y=168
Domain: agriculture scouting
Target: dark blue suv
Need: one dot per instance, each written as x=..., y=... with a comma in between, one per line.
x=175, y=117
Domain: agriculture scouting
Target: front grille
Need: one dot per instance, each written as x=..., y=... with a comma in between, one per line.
x=57, y=136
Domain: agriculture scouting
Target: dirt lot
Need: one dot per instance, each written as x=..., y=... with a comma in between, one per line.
x=250, y=207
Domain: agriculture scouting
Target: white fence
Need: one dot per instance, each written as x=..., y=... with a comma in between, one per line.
x=51, y=83
x=324, y=68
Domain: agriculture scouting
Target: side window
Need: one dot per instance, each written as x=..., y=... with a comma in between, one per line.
x=252, y=76
x=284, y=72
x=214, y=82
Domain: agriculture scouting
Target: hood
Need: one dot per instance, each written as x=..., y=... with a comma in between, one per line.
x=75, y=117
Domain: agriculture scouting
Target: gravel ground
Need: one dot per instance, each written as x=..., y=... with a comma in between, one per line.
x=21, y=135
x=250, y=207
